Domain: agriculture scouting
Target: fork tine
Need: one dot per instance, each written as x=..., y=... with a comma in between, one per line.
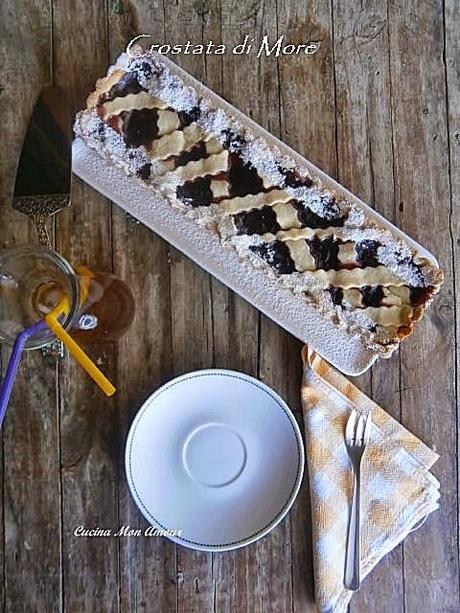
x=360, y=430
x=367, y=427
x=350, y=428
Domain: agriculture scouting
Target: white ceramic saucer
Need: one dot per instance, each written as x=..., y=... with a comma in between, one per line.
x=217, y=455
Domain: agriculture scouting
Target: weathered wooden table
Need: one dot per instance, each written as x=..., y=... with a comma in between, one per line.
x=377, y=107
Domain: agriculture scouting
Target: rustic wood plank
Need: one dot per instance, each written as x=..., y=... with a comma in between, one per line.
x=279, y=362
x=365, y=166
x=420, y=144
x=280, y=368
x=89, y=430
x=452, y=55
x=144, y=354
x=235, y=333
x=191, y=305
x=308, y=120
x=308, y=124
x=147, y=565
x=255, y=578
x=31, y=562
x=89, y=439
x=31, y=488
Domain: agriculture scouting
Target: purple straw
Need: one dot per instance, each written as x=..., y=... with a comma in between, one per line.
x=15, y=358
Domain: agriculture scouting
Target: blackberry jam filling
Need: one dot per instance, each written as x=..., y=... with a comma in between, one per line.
x=257, y=221
x=144, y=68
x=336, y=295
x=139, y=127
x=144, y=171
x=195, y=153
x=293, y=179
x=310, y=219
x=330, y=206
x=325, y=252
x=128, y=84
x=101, y=131
x=366, y=253
x=188, y=117
x=420, y=295
x=232, y=141
x=277, y=255
x=196, y=193
x=372, y=295
x=243, y=177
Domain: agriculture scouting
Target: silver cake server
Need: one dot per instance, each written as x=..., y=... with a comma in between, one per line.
x=42, y=186
x=43, y=179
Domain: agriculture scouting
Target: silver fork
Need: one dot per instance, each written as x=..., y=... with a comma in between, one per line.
x=356, y=438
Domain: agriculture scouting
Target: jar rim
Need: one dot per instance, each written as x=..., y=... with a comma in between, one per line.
x=74, y=286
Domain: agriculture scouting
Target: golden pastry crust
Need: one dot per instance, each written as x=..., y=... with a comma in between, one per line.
x=103, y=85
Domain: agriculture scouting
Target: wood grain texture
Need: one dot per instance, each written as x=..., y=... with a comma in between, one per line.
x=30, y=545
x=191, y=311
x=365, y=166
x=147, y=566
x=308, y=124
x=452, y=74
x=376, y=107
x=422, y=188
x=90, y=443
x=253, y=85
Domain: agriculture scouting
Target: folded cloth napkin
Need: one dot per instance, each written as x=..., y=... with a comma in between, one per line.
x=397, y=489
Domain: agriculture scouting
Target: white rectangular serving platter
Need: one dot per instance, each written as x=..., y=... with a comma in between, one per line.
x=344, y=351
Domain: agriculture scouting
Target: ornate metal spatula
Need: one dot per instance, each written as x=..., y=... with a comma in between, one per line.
x=42, y=186
x=43, y=178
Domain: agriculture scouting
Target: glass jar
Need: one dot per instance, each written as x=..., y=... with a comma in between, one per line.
x=34, y=279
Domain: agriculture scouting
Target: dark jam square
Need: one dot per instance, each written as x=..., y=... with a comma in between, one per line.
x=367, y=253
x=257, y=221
x=196, y=193
x=325, y=252
x=276, y=254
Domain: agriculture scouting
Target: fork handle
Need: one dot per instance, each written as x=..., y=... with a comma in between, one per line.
x=352, y=579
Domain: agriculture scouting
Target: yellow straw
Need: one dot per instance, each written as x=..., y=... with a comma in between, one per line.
x=82, y=358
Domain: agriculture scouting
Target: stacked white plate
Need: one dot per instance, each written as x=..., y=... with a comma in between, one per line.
x=214, y=459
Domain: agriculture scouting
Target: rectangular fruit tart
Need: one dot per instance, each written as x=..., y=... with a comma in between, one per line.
x=275, y=217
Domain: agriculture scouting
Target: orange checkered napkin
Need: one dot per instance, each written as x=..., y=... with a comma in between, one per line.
x=397, y=489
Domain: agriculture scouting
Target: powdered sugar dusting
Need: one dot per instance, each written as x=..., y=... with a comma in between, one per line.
x=319, y=201
x=216, y=122
x=122, y=63
x=158, y=81
x=401, y=263
x=256, y=152
x=355, y=217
